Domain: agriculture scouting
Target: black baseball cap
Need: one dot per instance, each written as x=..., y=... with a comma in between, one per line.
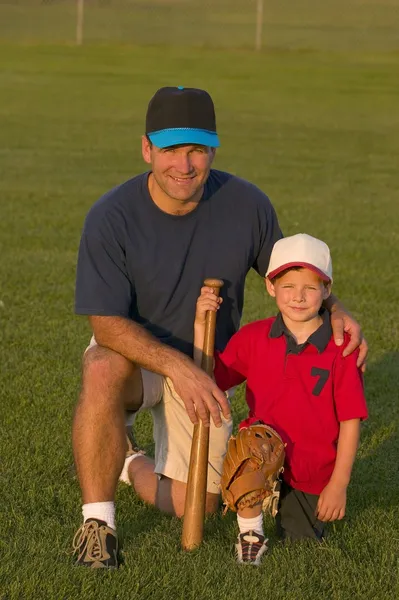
x=179, y=115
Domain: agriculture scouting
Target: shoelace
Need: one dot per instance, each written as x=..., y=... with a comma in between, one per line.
x=251, y=550
x=88, y=538
x=251, y=545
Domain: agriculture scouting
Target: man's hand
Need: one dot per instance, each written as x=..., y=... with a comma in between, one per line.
x=342, y=321
x=200, y=394
x=198, y=391
x=332, y=503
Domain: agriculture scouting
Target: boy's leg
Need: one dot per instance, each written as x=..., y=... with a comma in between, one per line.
x=251, y=542
x=296, y=518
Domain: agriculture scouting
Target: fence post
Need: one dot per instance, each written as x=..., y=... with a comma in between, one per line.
x=259, y=25
x=79, y=22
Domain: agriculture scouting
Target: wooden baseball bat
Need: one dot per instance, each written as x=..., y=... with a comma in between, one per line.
x=194, y=510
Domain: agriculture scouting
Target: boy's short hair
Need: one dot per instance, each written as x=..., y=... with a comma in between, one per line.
x=301, y=251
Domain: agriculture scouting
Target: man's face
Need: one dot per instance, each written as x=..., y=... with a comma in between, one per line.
x=179, y=171
x=299, y=294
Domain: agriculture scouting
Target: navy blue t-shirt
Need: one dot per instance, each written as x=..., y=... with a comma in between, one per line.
x=138, y=262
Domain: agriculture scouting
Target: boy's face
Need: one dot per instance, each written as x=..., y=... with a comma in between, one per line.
x=299, y=294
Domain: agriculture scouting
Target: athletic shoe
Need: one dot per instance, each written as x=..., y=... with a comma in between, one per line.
x=96, y=545
x=132, y=447
x=132, y=451
x=249, y=547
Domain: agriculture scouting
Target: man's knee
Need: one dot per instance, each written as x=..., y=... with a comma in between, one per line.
x=106, y=364
x=104, y=369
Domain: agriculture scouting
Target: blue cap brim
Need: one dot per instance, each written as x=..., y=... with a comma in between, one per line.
x=172, y=137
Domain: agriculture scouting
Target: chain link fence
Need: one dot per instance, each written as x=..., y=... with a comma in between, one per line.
x=282, y=24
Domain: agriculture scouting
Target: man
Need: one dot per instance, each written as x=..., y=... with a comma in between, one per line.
x=146, y=248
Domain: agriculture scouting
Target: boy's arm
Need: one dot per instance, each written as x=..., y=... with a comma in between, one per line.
x=332, y=500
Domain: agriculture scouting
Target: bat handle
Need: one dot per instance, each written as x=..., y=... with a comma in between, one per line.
x=214, y=283
x=194, y=511
x=210, y=329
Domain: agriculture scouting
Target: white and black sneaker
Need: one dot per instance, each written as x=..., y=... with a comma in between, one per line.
x=250, y=547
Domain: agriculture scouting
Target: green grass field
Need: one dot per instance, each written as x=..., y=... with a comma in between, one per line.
x=288, y=24
x=317, y=130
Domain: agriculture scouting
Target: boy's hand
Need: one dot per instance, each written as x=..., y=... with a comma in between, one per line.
x=206, y=301
x=332, y=503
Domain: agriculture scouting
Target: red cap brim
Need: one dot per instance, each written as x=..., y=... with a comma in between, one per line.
x=322, y=275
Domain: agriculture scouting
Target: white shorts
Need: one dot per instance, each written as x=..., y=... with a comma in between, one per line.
x=173, y=431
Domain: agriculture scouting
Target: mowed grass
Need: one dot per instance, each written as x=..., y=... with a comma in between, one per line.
x=287, y=24
x=319, y=133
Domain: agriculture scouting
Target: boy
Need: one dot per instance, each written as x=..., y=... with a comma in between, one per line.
x=298, y=383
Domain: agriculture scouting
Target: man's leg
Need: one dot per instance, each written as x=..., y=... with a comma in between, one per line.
x=111, y=384
x=162, y=482
x=167, y=494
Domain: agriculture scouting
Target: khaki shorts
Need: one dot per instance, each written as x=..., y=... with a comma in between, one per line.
x=173, y=431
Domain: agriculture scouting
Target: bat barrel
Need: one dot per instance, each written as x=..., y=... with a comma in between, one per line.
x=194, y=511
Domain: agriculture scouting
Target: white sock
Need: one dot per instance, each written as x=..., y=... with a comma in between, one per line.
x=255, y=523
x=124, y=476
x=105, y=511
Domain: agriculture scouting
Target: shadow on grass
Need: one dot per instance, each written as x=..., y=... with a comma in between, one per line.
x=375, y=482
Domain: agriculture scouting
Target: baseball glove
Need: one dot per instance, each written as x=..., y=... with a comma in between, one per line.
x=252, y=464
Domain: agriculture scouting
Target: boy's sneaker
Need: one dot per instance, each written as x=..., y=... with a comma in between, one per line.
x=250, y=546
x=96, y=545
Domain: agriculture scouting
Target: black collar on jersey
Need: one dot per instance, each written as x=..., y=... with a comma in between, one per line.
x=319, y=338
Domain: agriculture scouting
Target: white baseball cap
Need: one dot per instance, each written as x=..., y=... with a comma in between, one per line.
x=301, y=250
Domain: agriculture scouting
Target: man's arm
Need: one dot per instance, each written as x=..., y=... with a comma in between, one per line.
x=199, y=392
x=342, y=321
x=332, y=501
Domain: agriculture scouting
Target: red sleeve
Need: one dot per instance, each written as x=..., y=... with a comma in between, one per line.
x=231, y=365
x=349, y=398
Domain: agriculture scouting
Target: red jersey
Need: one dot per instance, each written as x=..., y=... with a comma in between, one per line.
x=303, y=391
